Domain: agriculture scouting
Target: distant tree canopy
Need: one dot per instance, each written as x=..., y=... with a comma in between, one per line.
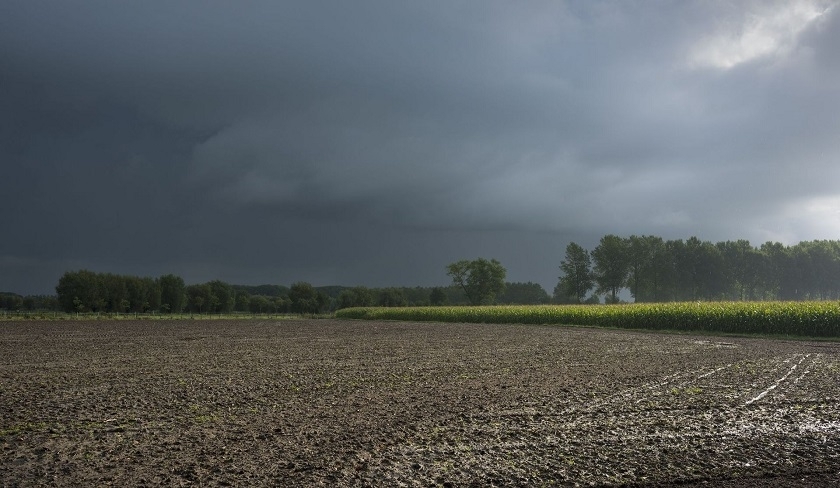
x=359, y=296
x=611, y=259
x=438, y=297
x=391, y=297
x=651, y=268
x=577, y=280
x=656, y=270
x=523, y=294
x=172, y=293
x=86, y=291
x=15, y=302
x=480, y=279
x=306, y=299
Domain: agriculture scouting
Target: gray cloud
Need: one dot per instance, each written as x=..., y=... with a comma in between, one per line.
x=373, y=142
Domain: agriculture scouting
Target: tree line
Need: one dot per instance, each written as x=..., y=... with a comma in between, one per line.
x=13, y=301
x=658, y=270
x=651, y=268
x=86, y=291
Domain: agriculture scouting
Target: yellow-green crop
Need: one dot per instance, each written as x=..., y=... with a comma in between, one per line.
x=813, y=319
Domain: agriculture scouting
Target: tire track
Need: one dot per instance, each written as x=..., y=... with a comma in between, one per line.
x=778, y=382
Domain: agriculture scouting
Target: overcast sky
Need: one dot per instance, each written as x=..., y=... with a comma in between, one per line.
x=373, y=142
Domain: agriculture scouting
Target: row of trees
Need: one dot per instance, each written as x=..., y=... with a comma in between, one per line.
x=13, y=301
x=481, y=282
x=511, y=293
x=658, y=270
x=87, y=291
x=653, y=269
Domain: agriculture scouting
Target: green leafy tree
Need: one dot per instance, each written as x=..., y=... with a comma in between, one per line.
x=577, y=279
x=199, y=298
x=358, y=296
x=114, y=292
x=480, y=279
x=524, y=294
x=649, y=268
x=437, y=297
x=136, y=294
x=775, y=271
x=12, y=301
x=305, y=299
x=260, y=304
x=282, y=304
x=391, y=297
x=820, y=262
x=416, y=296
x=153, y=293
x=222, y=297
x=612, y=266
x=712, y=280
x=681, y=272
x=699, y=272
x=173, y=293
x=660, y=272
x=743, y=267
x=243, y=300
x=143, y=294
x=78, y=291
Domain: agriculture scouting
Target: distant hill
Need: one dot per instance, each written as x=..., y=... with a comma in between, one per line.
x=264, y=290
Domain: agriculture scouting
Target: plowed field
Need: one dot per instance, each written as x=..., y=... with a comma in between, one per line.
x=345, y=403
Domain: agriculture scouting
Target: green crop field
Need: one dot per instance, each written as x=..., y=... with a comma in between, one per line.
x=809, y=319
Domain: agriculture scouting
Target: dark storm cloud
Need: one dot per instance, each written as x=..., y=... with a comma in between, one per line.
x=373, y=142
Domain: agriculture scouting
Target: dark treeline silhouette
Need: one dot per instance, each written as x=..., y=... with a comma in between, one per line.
x=360, y=296
x=651, y=268
x=658, y=270
x=86, y=291
x=29, y=303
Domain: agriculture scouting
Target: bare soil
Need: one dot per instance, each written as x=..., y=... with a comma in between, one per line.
x=345, y=403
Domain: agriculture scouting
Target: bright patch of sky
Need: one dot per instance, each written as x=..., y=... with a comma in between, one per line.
x=765, y=31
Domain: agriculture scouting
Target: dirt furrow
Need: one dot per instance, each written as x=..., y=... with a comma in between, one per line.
x=309, y=403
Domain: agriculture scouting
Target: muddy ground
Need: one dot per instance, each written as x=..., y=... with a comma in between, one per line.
x=341, y=403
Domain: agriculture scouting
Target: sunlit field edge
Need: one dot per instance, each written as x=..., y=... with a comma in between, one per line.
x=807, y=319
